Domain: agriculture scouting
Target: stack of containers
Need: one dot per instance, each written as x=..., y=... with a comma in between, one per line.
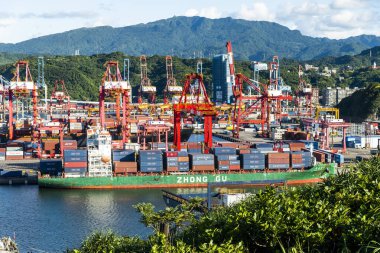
x=75, y=162
x=307, y=159
x=14, y=151
x=252, y=159
x=75, y=127
x=278, y=161
x=124, y=161
x=28, y=150
x=296, y=160
x=319, y=156
x=2, y=151
x=264, y=147
x=150, y=161
x=194, y=147
x=226, y=158
x=175, y=161
x=50, y=147
x=202, y=162
x=53, y=167
x=296, y=146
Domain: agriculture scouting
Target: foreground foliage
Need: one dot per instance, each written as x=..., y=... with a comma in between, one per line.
x=340, y=215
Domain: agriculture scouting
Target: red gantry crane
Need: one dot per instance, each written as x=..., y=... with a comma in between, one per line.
x=171, y=89
x=146, y=87
x=113, y=86
x=266, y=101
x=60, y=99
x=22, y=86
x=194, y=100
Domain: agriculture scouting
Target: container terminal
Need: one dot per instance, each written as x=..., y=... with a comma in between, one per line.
x=271, y=133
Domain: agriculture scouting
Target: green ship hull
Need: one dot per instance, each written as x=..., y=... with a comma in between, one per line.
x=313, y=175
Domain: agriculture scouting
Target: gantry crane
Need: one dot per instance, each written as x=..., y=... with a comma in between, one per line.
x=266, y=100
x=145, y=86
x=20, y=86
x=304, y=95
x=60, y=99
x=3, y=92
x=194, y=100
x=113, y=86
x=171, y=89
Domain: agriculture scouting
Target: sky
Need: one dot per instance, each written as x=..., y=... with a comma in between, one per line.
x=24, y=19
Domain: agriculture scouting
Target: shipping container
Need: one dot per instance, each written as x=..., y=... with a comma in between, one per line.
x=75, y=153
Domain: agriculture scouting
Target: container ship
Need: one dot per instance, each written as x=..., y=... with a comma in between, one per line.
x=100, y=167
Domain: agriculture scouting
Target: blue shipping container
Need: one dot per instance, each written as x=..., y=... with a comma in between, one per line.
x=75, y=153
x=278, y=166
x=235, y=162
x=75, y=158
x=252, y=156
x=201, y=157
x=150, y=158
x=253, y=167
x=75, y=170
x=223, y=167
x=203, y=162
x=172, y=164
x=226, y=157
x=150, y=152
x=224, y=151
x=151, y=169
x=152, y=163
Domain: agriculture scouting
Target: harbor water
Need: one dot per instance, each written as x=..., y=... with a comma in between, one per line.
x=48, y=220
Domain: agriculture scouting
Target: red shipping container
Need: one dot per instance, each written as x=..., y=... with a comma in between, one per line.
x=183, y=159
x=75, y=164
x=203, y=168
x=171, y=154
x=234, y=167
x=120, y=170
x=14, y=157
x=172, y=169
x=223, y=162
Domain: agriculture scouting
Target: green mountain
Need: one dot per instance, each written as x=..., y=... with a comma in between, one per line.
x=363, y=104
x=187, y=37
x=364, y=59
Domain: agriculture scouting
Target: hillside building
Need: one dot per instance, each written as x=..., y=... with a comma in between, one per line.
x=332, y=96
x=221, y=80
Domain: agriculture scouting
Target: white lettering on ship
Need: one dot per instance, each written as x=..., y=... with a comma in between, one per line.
x=199, y=179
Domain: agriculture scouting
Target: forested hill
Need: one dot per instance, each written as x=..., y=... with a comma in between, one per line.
x=189, y=36
x=83, y=74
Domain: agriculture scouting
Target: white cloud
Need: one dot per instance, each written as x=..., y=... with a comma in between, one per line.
x=61, y=15
x=210, y=12
x=331, y=18
x=5, y=22
x=347, y=4
x=258, y=11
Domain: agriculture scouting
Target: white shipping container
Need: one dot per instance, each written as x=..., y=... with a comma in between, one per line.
x=133, y=146
x=249, y=130
x=52, y=124
x=149, y=89
x=156, y=122
x=14, y=149
x=2, y=158
x=117, y=85
x=175, y=88
x=22, y=85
